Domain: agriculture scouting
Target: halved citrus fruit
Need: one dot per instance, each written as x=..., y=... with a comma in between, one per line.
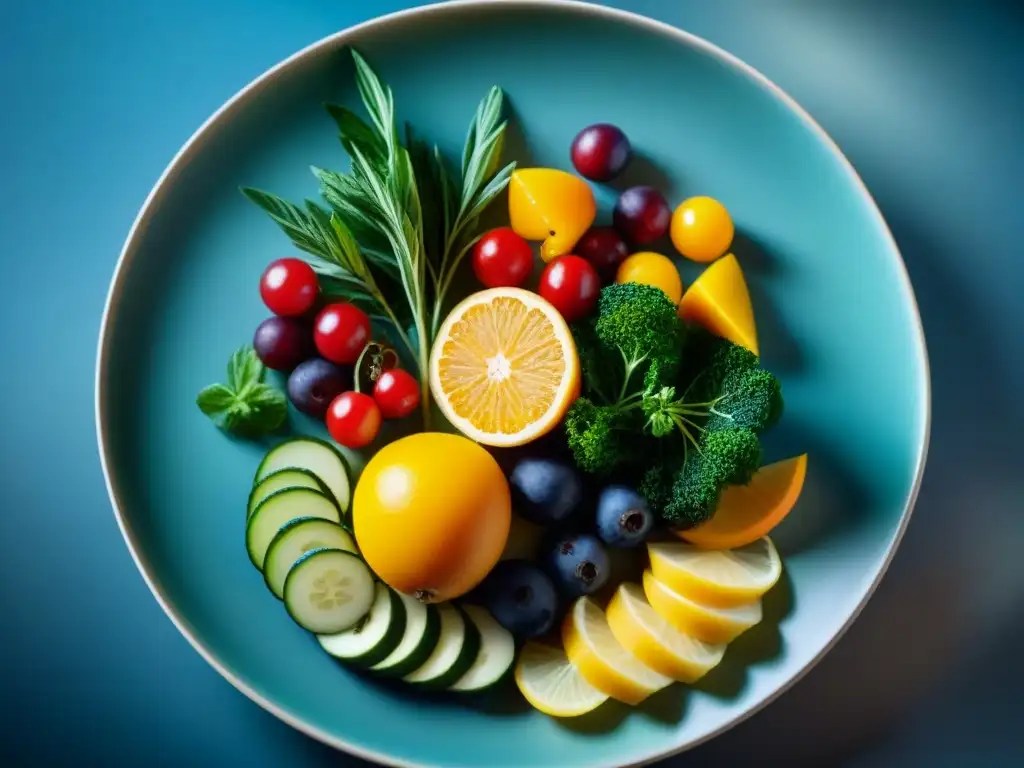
x=720, y=578
x=551, y=683
x=704, y=622
x=745, y=513
x=504, y=368
x=643, y=632
x=601, y=659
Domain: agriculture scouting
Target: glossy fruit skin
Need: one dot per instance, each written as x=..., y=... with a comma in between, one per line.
x=623, y=517
x=397, y=393
x=551, y=205
x=315, y=383
x=281, y=343
x=702, y=229
x=502, y=258
x=579, y=564
x=545, y=491
x=521, y=597
x=432, y=513
x=641, y=215
x=572, y=285
x=340, y=332
x=353, y=419
x=605, y=249
x=600, y=152
x=289, y=287
x=651, y=268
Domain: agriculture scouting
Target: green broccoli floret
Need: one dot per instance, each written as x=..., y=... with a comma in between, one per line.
x=728, y=456
x=636, y=338
x=728, y=400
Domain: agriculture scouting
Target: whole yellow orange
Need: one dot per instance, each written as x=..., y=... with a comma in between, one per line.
x=431, y=513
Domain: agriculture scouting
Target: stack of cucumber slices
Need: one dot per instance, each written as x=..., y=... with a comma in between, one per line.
x=298, y=534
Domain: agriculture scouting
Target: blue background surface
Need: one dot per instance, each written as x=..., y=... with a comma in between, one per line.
x=925, y=99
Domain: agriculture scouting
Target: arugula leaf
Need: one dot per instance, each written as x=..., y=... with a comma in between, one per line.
x=245, y=405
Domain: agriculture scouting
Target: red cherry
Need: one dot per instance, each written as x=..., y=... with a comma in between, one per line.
x=397, y=393
x=353, y=419
x=289, y=287
x=502, y=258
x=340, y=332
x=571, y=284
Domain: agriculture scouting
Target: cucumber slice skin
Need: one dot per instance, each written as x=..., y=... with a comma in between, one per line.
x=289, y=477
x=415, y=658
x=387, y=599
x=469, y=639
x=273, y=462
x=269, y=518
x=500, y=647
x=298, y=581
x=330, y=535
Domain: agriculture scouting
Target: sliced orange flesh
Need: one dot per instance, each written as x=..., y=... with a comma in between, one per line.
x=745, y=513
x=504, y=368
x=719, y=301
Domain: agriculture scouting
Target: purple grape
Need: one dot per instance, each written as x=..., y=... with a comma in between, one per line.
x=600, y=152
x=315, y=383
x=604, y=248
x=642, y=215
x=282, y=342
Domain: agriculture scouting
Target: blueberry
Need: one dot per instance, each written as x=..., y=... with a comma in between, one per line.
x=315, y=383
x=545, y=491
x=580, y=565
x=623, y=517
x=521, y=598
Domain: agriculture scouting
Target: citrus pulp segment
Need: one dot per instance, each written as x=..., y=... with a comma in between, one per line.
x=601, y=659
x=504, y=368
x=719, y=577
x=552, y=684
x=704, y=622
x=745, y=513
x=659, y=645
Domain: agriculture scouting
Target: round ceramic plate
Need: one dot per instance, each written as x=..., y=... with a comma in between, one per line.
x=835, y=311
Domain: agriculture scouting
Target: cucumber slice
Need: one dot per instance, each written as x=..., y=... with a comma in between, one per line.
x=328, y=591
x=496, y=656
x=320, y=458
x=295, y=539
x=371, y=641
x=422, y=627
x=454, y=653
x=277, y=481
x=280, y=508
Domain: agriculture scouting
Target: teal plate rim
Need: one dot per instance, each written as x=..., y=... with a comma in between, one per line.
x=438, y=11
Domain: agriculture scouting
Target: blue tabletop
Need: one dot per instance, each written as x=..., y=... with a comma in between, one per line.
x=95, y=98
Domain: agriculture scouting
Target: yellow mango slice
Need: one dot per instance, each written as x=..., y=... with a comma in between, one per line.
x=719, y=301
x=550, y=205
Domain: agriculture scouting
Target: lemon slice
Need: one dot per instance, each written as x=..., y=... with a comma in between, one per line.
x=602, y=661
x=551, y=684
x=504, y=368
x=722, y=578
x=703, y=622
x=659, y=645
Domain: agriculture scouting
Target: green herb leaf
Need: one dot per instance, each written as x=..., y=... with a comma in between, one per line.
x=245, y=405
x=354, y=130
x=215, y=398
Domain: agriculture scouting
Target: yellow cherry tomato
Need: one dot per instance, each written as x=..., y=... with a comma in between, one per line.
x=702, y=230
x=432, y=513
x=651, y=268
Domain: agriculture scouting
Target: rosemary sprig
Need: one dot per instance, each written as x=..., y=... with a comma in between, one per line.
x=402, y=220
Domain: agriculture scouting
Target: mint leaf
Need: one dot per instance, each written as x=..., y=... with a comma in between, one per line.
x=214, y=399
x=245, y=405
